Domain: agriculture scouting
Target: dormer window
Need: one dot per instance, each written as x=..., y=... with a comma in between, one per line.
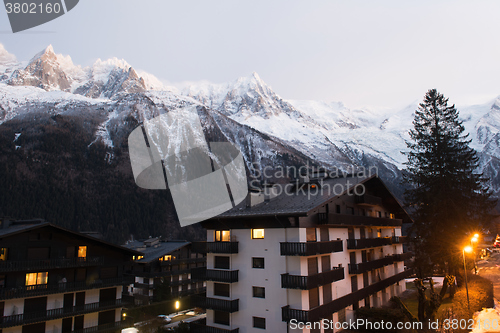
x=222, y=236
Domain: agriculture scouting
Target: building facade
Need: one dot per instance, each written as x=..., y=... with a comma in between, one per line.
x=55, y=280
x=303, y=255
x=163, y=270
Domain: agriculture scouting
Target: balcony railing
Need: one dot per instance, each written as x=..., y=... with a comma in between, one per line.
x=217, y=275
x=46, y=289
x=399, y=239
x=143, y=285
x=182, y=261
x=356, y=244
x=216, y=304
x=403, y=256
x=357, y=220
x=201, y=327
x=32, y=265
x=310, y=248
x=326, y=310
x=368, y=200
x=370, y=265
x=311, y=281
x=105, y=328
x=215, y=247
x=39, y=316
x=189, y=292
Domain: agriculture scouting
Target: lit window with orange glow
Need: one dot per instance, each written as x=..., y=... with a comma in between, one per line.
x=33, y=279
x=168, y=257
x=3, y=253
x=82, y=252
x=257, y=233
x=222, y=235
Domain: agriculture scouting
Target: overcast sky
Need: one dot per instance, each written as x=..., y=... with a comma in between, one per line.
x=363, y=53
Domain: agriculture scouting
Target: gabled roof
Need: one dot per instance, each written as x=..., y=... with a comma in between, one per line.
x=293, y=201
x=154, y=252
x=23, y=226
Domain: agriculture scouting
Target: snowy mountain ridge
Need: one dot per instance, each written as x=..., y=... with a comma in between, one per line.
x=330, y=134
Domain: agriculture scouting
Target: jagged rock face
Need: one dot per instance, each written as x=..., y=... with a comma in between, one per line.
x=120, y=81
x=43, y=71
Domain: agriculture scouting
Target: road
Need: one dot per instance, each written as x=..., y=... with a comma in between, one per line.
x=490, y=269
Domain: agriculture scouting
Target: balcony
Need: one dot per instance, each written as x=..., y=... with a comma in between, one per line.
x=310, y=248
x=368, y=200
x=399, y=239
x=189, y=292
x=326, y=310
x=216, y=304
x=356, y=244
x=311, y=281
x=111, y=327
x=182, y=261
x=143, y=285
x=204, y=274
x=201, y=327
x=403, y=256
x=40, y=316
x=370, y=265
x=33, y=265
x=46, y=289
x=215, y=247
x=357, y=220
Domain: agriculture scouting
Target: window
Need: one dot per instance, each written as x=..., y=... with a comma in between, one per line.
x=337, y=209
x=168, y=257
x=392, y=216
x=137, y=257
x=2, y=281
x=221, y=317
x=3, y=253
x=82, y=252
x=311, y=234
x=313, y=298
x=259, y=322
x=221, y=262
x=222, y=235
x=350, y=210
x=221, y=289
x=258, y=263
x=33, y=279
x=341, y=316
x=259, y=292
x=257, y=233
x=379, y=213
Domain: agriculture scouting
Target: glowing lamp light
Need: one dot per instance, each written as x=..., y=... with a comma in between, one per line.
x=474, y=239
x=468, y=249
x=124, y=315
x=177, y=305
x=476, y=235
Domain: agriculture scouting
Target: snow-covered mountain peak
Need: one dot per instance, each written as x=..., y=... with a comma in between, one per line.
x=101, y=69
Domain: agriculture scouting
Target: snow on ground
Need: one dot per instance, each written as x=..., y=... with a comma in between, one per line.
x=487, y=320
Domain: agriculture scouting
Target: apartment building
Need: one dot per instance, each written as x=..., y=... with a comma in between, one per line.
x=317, y=249
x=163, y=265
x=56, y=280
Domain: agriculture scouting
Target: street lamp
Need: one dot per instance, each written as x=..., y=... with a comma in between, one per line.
x=472, y=241
x=177, y=306
x=467, y=249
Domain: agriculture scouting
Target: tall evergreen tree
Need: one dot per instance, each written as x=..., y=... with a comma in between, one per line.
x=448, y=197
